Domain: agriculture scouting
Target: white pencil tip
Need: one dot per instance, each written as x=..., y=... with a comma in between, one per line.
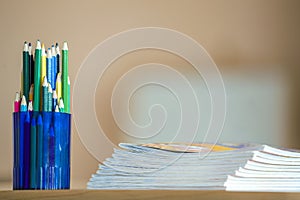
x=65, y=46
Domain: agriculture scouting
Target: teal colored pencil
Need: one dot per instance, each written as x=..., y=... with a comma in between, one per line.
x=33, y=158
x=45, y=94
x=39, y=183
x=37, y=77
x=50, y=95
x=26, y=78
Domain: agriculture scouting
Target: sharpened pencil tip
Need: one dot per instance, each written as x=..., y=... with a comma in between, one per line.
x=45, y=82
x=53, y=51
x=61, y=103
x=17, y=96
x=30, y=108
x=56, y=108
x=54, y=94
x=23, y=102
x=65, y=46
x=25, y=47
x=38, y=45
x=49, y=88
x=49, y=55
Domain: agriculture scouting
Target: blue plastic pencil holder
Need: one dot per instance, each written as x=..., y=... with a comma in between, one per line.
x=41, y=150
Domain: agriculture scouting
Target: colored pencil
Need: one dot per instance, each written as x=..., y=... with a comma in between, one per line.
x=31, y=92
x=69, y=96
x=65, y=71
x=16, y=160
x=58, y=86
x=26, y=80
x=21, y=88
x=58, y=145
x=51, y=140
x=50, y=95
x=30, y=107
x=43, y=63
x=17, y=102
x=31, y=64
x=47, y=120
x=49, y=66
x=45, y=94
x=33, y=154
x=37, y=75
x=57, y=58
x=27, y=151
x=40, y=141
x=54, y=100
x=54, y=67
x=61, y=105
x=21, y=149
x=56, y=109
x=23, y=107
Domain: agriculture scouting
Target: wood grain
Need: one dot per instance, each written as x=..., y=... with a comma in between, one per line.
x=142, y=194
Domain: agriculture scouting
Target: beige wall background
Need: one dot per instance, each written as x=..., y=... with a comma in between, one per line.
x=237, y=34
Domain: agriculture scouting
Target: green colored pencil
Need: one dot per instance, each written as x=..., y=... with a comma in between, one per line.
x=26, y=81
x=37, y=77
x=65, y=71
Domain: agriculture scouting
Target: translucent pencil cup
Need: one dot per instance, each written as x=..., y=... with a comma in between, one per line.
x=41, y=150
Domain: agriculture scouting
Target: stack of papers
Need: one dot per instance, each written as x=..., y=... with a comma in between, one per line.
x=240, y=167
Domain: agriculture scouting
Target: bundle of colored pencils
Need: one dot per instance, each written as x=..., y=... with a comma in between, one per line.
x=45, y=83
x=42, y=120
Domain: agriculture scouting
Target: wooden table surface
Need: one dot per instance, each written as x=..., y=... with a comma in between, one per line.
x=143, y=194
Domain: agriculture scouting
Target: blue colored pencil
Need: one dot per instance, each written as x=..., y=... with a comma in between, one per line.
x=58, y=147
x=16, y=174
x=54, y=67
x=21, y=149
x=33, y=154
x=49, y=73
x=27, y=151
x=47, y=118
x=57, y=58
x=23, y=107
x=51, y=140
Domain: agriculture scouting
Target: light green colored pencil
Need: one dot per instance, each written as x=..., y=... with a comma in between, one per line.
x=69, y=96
x=65, y=72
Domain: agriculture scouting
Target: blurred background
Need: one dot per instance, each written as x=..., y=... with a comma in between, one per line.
x=254, y=43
